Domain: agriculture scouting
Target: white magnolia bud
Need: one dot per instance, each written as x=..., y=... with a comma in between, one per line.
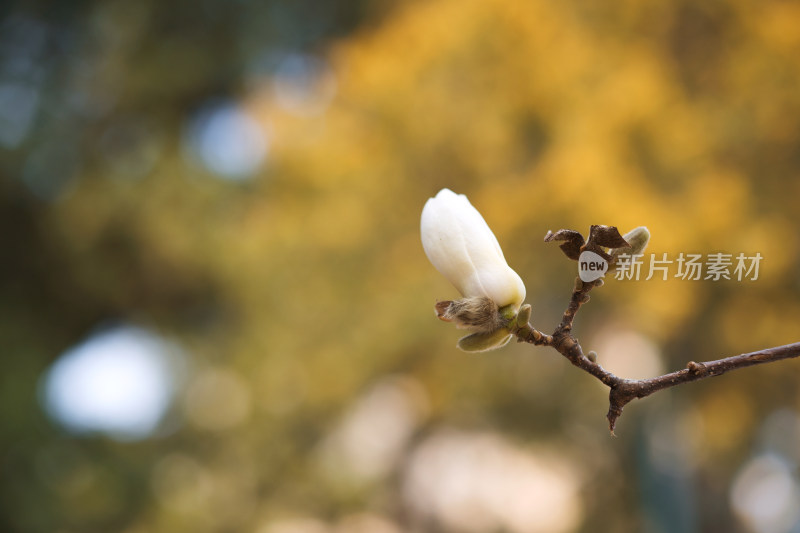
x=637, y=238
x=461, y=246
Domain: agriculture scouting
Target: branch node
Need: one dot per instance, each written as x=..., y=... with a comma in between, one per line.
x=696, y=369
x=618, y=397
x=567, y=345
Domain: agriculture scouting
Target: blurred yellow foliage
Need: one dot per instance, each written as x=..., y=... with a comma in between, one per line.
x=296, y=291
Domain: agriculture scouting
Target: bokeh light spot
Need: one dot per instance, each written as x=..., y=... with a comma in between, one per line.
x=50, y=168
x=764, y=495
x=228, y=141
x=303, y=85
x=181, y=484
x=627, y=353
x=118, y=382
x=217, y=399
x=296, y=525
x=480, y=482
x=22, y=41
x=18, y=104
x=369, y=441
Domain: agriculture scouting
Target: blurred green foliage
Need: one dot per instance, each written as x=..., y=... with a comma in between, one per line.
x=300, y=288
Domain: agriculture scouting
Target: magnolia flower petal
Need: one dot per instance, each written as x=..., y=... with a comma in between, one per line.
x=461, y=246
x=444, y=242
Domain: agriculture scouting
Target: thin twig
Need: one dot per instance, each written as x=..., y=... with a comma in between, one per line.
x=623, y=391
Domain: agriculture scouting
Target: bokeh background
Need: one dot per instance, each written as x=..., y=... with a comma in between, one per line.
x=216, y=314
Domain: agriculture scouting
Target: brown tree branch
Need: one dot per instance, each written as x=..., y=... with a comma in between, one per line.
x=623, y=391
